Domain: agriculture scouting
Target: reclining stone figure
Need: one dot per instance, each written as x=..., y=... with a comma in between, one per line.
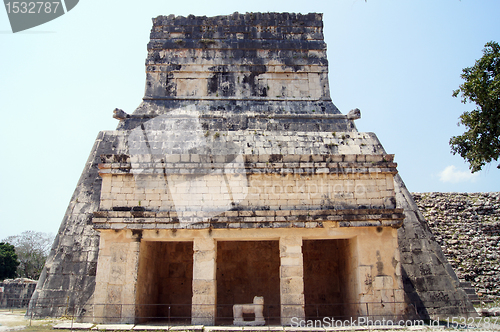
x=256, y=308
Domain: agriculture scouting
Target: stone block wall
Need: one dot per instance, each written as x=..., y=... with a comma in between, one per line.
x=244, y=69
x=467, y=227
x=16, y=293
x=246, y=269
x=291, y=279
x=430, y=284
x=114, y=298
x=164, y=278
x=204, y=309
x=253, y=56
x=311, y=186
x=192, y=188
x=176, y=139
x=147, y=280
x=380, y=283
x=325, y=278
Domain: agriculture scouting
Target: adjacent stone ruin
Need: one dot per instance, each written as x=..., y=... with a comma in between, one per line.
x=237, y=177
x=16, y=293
x=467, y=227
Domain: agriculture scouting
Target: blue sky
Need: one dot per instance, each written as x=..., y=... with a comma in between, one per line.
x=397, y=61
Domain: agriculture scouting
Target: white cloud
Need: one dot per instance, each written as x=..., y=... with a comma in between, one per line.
x=451, y=174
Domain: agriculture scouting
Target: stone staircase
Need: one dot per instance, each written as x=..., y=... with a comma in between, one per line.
x=471, y=293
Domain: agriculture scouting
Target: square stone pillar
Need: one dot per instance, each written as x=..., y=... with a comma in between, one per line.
x=114, y=295
x=291, y=279
x=204, y=304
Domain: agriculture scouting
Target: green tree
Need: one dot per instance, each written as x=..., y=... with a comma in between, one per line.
x=8, y=261
x=32, y=249
x=480, y=144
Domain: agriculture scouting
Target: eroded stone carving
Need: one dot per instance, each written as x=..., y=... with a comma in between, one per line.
x=120, y=114
x=354, y=114
x=256, y=308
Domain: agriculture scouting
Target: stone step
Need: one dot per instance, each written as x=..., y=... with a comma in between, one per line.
x=469, y=291
x=465, y=284
x=481, y=301
x=474, y=297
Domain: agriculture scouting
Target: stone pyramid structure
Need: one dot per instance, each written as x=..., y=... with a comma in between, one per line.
x=238, y=177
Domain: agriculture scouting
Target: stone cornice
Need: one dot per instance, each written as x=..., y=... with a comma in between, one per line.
x=267, y=164
x=250, y=219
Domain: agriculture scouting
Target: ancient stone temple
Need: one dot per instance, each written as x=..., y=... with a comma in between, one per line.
x=235, y=178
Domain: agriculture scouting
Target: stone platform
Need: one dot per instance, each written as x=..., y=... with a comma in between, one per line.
x=201, y=328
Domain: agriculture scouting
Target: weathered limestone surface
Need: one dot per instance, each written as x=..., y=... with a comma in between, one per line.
x=16, y=293
x=330, y=188
x=236, y=106
x=67, y=283
x=244, y=71
x=351, y=193
x=429, y=280
x=164, y=275
x=383, y=291
x=256, y=308
x=204, y=283
x=291, y=279
x=467, y=227
x=115, y=287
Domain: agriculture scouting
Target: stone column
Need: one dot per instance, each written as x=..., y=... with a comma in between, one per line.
x=101, y=283
x=129, y=288
x=114, y=295
x=204, y=304
x=291, y=279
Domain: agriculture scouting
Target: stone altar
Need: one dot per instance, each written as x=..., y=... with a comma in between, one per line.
x=256, y=308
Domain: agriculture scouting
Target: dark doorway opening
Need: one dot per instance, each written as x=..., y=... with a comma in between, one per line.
x=326, y=272
x=164, y=282
x=246, y=269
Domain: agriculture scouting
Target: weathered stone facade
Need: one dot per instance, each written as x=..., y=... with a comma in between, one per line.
x=430, y=283
x=272, y=208
x=237, y=162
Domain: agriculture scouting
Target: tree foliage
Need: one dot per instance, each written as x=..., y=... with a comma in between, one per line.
x=8, y=261
x=32, y=249
x=480, y=144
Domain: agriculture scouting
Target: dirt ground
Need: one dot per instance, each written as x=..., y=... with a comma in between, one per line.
x=11, y=320
x=14, y=320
